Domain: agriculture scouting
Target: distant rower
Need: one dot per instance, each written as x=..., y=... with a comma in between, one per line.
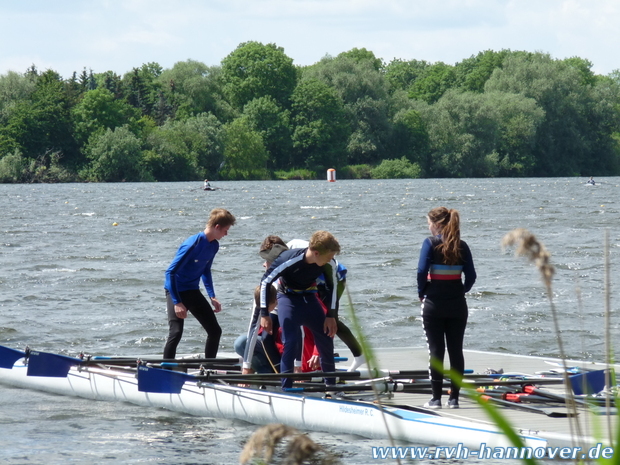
x=206, y=184
x=591, y=180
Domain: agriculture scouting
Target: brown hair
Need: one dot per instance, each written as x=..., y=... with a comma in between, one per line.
x=449, y=224
x=271, y=295
x=324, y=242
x=222, y=217
x=269, y=242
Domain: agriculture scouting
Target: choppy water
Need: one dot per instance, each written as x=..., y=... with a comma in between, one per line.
x=70, y=281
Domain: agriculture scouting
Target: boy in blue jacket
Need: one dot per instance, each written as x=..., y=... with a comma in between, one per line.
x=192, y=262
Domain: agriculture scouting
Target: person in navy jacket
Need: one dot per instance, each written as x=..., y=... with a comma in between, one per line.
x=444, y=258
x=298, y=300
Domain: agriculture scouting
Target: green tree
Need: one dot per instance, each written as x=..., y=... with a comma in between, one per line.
x=12, y=167
x=272, y=122
x=433, y=83
x=320, y=128
x=574, y=132
x=410, y=138
x=364, y=93
x=115, y=156
x=360, y=55
x=402, y=74
x=41, y=124
x=480, y=135
x=87, y=81
x=143, y=91
x=100, y=110
x=255, y=70
x=111, y=81
x=588, y=78
x=371, y=133
x=472, y=73
x=14, y=88
x=519, y=119
x=189, y=149
x=245, y=156
x=193, y=88
x=396, y=169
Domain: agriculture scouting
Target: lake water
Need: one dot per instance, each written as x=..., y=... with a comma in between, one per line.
x=72, y=281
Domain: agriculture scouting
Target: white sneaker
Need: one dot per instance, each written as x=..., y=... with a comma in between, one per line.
x=357, y=362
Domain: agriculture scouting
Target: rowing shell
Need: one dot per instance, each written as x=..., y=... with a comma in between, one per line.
x=257, y=406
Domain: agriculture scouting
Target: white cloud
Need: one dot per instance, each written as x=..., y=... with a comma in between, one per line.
x=68, y=35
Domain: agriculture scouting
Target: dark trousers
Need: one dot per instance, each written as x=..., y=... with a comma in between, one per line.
x=347, y=336
x=445, y=331
x=199, y=306
x=295, y=310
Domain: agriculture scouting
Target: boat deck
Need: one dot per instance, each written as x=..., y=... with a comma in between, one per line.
x=417, y=359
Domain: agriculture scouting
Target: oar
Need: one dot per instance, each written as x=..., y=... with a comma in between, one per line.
x=527, y=408
x=547, y=394
x=55, y=365
x=398, y=374
x=152, y=379
x=233, y=369
x=161, y=381
x=520, y=397
x=266, y=376
x=385, y=386
x=137, y=360
x=514, y=382
x=591, y=382
x=50, y=365
x=497, y=383
x=9, y=356
x=563, y=398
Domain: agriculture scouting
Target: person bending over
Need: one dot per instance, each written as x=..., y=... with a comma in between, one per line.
x=298, y=300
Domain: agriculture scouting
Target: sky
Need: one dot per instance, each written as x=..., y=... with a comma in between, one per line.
x=118, y=35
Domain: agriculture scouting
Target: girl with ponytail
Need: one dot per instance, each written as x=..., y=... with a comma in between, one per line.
x=444, y=258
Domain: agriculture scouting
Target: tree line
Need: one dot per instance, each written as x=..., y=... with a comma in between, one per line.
x=259, y=116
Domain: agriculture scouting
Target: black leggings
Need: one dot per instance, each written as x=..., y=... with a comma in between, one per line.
x=197, y=305
x=346, y=336
x=343, y=332
x=445, y=332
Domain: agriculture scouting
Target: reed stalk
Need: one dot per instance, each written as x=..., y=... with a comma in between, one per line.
x=371, y=362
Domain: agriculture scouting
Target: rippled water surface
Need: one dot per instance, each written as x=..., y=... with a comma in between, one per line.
x=71, y=281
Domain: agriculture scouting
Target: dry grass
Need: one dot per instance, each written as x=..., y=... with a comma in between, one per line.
x=297, y=448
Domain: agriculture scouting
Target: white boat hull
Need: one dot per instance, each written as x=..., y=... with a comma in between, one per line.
x=262, y=407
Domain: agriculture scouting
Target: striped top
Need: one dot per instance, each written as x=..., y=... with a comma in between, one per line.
x=444, y=272
x=437, y=280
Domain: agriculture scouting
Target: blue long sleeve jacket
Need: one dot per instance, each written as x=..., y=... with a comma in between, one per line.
x=192, y=262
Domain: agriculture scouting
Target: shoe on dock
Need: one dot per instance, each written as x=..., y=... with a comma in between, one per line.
x=452, y=403
x=433, y=403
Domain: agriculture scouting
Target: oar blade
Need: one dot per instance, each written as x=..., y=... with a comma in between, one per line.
x=9, y=356
x=591, y=382
x=50, y=365
x=161, y=381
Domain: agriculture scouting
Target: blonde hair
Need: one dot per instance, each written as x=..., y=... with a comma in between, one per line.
x=324, y=242
x=222, y=217
x=449, y=224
